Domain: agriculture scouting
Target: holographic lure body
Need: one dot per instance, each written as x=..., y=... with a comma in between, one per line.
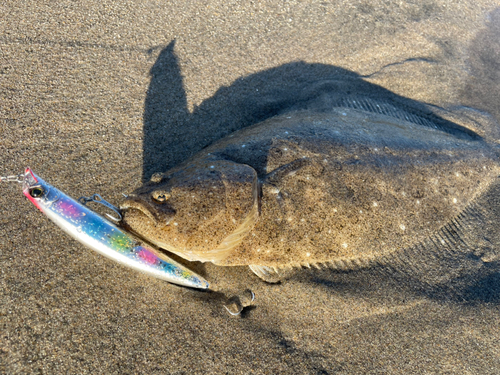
x=101, y=235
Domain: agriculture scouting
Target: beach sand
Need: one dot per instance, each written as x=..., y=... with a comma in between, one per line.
x=98, y=95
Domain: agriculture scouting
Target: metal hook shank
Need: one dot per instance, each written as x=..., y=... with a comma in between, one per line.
x=98, y=199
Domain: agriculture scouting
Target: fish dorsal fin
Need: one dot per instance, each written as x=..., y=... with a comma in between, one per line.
x=401, y=111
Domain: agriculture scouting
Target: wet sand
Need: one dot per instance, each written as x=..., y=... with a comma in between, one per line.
x=97, y=96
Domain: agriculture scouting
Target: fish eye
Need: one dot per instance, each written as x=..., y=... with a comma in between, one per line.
x=160, y=196
x=36, y=192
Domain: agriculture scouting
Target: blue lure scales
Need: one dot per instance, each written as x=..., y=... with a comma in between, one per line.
x=102, y=235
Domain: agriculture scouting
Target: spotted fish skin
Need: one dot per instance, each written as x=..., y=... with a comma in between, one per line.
x=346, y=186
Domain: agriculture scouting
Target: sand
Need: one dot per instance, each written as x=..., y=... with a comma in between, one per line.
x=96, y=96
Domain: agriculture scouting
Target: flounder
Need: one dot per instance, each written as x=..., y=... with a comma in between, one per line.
x=344, y=187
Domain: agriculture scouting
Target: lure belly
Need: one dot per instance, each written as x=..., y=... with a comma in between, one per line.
x=101, y=235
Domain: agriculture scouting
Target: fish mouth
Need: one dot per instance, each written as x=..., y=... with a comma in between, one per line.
x=133, y=206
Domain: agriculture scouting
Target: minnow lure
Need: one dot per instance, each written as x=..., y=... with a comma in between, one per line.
x=101, y=235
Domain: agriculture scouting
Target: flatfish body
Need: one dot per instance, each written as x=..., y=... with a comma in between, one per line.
x=345, y=186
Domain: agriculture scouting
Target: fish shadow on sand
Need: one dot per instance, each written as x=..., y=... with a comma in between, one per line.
x=172, y=134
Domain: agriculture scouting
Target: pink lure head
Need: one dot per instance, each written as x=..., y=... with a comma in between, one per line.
x=32, y=187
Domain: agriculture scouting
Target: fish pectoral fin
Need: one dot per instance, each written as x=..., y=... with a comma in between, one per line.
x=268, y=274
x=277, y=175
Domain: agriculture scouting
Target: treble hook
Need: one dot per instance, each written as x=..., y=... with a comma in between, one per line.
x=98, y=199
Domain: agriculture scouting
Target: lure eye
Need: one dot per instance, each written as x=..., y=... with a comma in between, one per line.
x=160, y=196
x=36, y=192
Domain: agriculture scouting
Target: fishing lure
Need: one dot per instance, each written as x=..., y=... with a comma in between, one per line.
x=100, y=234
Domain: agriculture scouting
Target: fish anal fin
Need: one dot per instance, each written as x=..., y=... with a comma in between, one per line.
x=458, y=254
x=266, y=273
x=276, y=274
